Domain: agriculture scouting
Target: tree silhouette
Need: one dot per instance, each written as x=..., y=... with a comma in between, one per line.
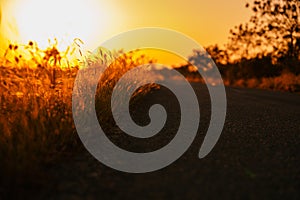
x=218, y=54
x=274, y=28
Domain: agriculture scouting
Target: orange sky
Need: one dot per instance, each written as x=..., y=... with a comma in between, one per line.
x=207, y=21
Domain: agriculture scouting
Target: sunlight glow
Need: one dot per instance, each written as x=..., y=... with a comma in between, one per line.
x=40, y=20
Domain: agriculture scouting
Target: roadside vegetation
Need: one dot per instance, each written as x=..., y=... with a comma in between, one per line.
x=263, y=52
x=36, y=122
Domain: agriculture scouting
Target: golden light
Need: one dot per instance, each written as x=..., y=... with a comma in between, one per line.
x=40, y=20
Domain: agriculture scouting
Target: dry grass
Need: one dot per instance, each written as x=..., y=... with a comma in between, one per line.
x=287, y=82
x=36, y=123
x=35, y=99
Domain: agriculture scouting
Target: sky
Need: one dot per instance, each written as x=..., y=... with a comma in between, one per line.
x=94, y=21
x=207, y=21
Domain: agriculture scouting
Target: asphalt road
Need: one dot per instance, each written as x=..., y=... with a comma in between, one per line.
x=256, y=157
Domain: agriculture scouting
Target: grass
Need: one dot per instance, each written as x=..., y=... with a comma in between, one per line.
x=36, y=124
x=287, y=82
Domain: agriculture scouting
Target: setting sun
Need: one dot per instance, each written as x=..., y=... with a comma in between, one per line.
x=65, y=20
x=95, y=21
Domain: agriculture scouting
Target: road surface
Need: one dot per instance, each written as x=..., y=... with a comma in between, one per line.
x=256, y=157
